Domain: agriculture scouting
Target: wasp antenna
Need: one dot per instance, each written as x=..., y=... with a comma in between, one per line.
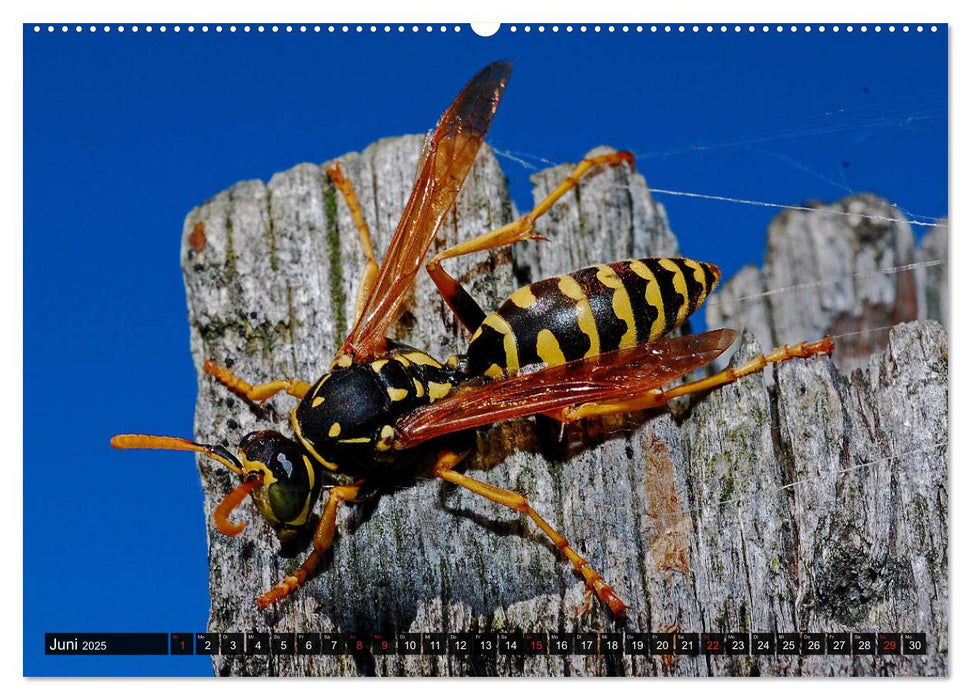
x=220, y=516
x=161, y=442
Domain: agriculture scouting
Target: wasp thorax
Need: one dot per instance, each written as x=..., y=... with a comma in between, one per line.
x=348, y=403
x=289, y=484
x=342, y=419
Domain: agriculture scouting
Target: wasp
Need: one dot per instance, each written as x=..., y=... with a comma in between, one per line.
x=590, y=343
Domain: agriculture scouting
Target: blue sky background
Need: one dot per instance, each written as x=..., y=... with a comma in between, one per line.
x=124, y=133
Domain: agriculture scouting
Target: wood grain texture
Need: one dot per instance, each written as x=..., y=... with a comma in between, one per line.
x=850, y=268
x=816, y=505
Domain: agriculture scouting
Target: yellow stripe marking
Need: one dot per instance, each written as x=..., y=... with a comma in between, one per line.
x=640, y=269
x=571, y=289
x=680, y=286
x=523, y=297
x=402, y=359
x=699, y=274
x=652, y=295
x=305, y=511
x=495, y=371
x=498, y=323
x=419, y=389
x=438, y=390
x=317, y=401
x=620, y=302
x=377, y=365
x=397, y=394
x=548, y=348
x=335, y=430
x=268, y=478
x=386, y=440
x=260, y=495
x=344, y=361
x=420, y=358
x=310, y=448
x=356, y=440
x=316, y=389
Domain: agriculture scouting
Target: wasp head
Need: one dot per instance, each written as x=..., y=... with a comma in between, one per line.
x=287, y=484
x=275, y=471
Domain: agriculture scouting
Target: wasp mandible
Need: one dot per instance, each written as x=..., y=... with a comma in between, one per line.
x=589, y=343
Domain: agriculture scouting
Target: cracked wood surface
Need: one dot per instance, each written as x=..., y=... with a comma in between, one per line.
x=816, y=504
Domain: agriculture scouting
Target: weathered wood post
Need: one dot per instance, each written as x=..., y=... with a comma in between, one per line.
x=818, y=505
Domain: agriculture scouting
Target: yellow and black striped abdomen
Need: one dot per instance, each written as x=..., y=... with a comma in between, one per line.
x=590, y=311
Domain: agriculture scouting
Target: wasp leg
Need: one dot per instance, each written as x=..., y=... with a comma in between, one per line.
x=364, y=233
x=656, y=398
x=323, y=538
x=515, y=501
x=460, y=301
x=259, y=392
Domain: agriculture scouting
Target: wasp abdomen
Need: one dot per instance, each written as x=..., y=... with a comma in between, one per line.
x=593, y=310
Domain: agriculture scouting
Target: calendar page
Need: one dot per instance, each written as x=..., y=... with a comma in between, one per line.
x=526, y=349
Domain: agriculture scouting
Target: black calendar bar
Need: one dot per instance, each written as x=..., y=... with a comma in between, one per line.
x=515, y=643
x=106, y=643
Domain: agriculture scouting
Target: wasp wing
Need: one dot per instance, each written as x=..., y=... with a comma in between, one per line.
x=611, y=376
x=448, y=156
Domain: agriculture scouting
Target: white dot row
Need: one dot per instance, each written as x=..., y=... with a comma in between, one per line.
x=696, y=28
x=245, y=28
x=414, y=28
